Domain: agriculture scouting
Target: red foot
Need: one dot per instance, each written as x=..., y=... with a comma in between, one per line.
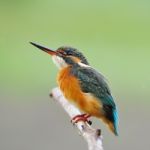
x=83, y=117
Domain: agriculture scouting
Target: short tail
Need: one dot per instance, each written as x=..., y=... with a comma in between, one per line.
x=112, y=121
x=114, y=124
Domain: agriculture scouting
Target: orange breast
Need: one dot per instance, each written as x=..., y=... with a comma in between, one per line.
x=70, y=87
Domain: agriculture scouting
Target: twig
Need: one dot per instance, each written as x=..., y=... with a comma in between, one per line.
x=92, y=136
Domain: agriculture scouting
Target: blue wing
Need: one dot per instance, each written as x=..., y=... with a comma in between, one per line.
x=93, y=82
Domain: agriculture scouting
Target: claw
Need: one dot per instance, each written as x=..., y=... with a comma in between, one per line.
x=83, y=117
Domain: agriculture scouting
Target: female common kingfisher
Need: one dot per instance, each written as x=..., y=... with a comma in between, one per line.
x=84, y=86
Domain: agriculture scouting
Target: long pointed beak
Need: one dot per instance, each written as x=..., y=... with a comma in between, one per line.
x=47, y=50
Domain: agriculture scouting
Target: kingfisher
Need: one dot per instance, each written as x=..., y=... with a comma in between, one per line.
x=83, y=86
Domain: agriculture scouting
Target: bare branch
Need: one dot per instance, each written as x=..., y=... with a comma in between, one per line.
x=92, y=136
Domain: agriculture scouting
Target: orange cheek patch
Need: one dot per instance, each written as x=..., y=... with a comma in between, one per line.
x=75, y=59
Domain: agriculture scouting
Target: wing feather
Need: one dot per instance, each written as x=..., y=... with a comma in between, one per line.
x=93, y=82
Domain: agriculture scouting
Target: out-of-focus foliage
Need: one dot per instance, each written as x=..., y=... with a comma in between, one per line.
x=113, y=35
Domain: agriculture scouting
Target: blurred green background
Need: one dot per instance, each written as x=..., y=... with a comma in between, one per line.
x=115, y=37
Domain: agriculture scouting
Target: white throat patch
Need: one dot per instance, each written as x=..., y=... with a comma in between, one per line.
x=59, y=62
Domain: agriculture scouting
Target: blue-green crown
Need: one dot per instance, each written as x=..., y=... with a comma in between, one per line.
x=74, y=52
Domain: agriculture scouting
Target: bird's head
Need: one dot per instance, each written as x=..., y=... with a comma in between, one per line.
x=64, y=56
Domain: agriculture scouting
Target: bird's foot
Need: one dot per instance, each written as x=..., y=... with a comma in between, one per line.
x=83, y=117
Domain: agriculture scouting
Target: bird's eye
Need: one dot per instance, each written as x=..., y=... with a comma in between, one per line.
x=62, y=52
x=65, y=53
